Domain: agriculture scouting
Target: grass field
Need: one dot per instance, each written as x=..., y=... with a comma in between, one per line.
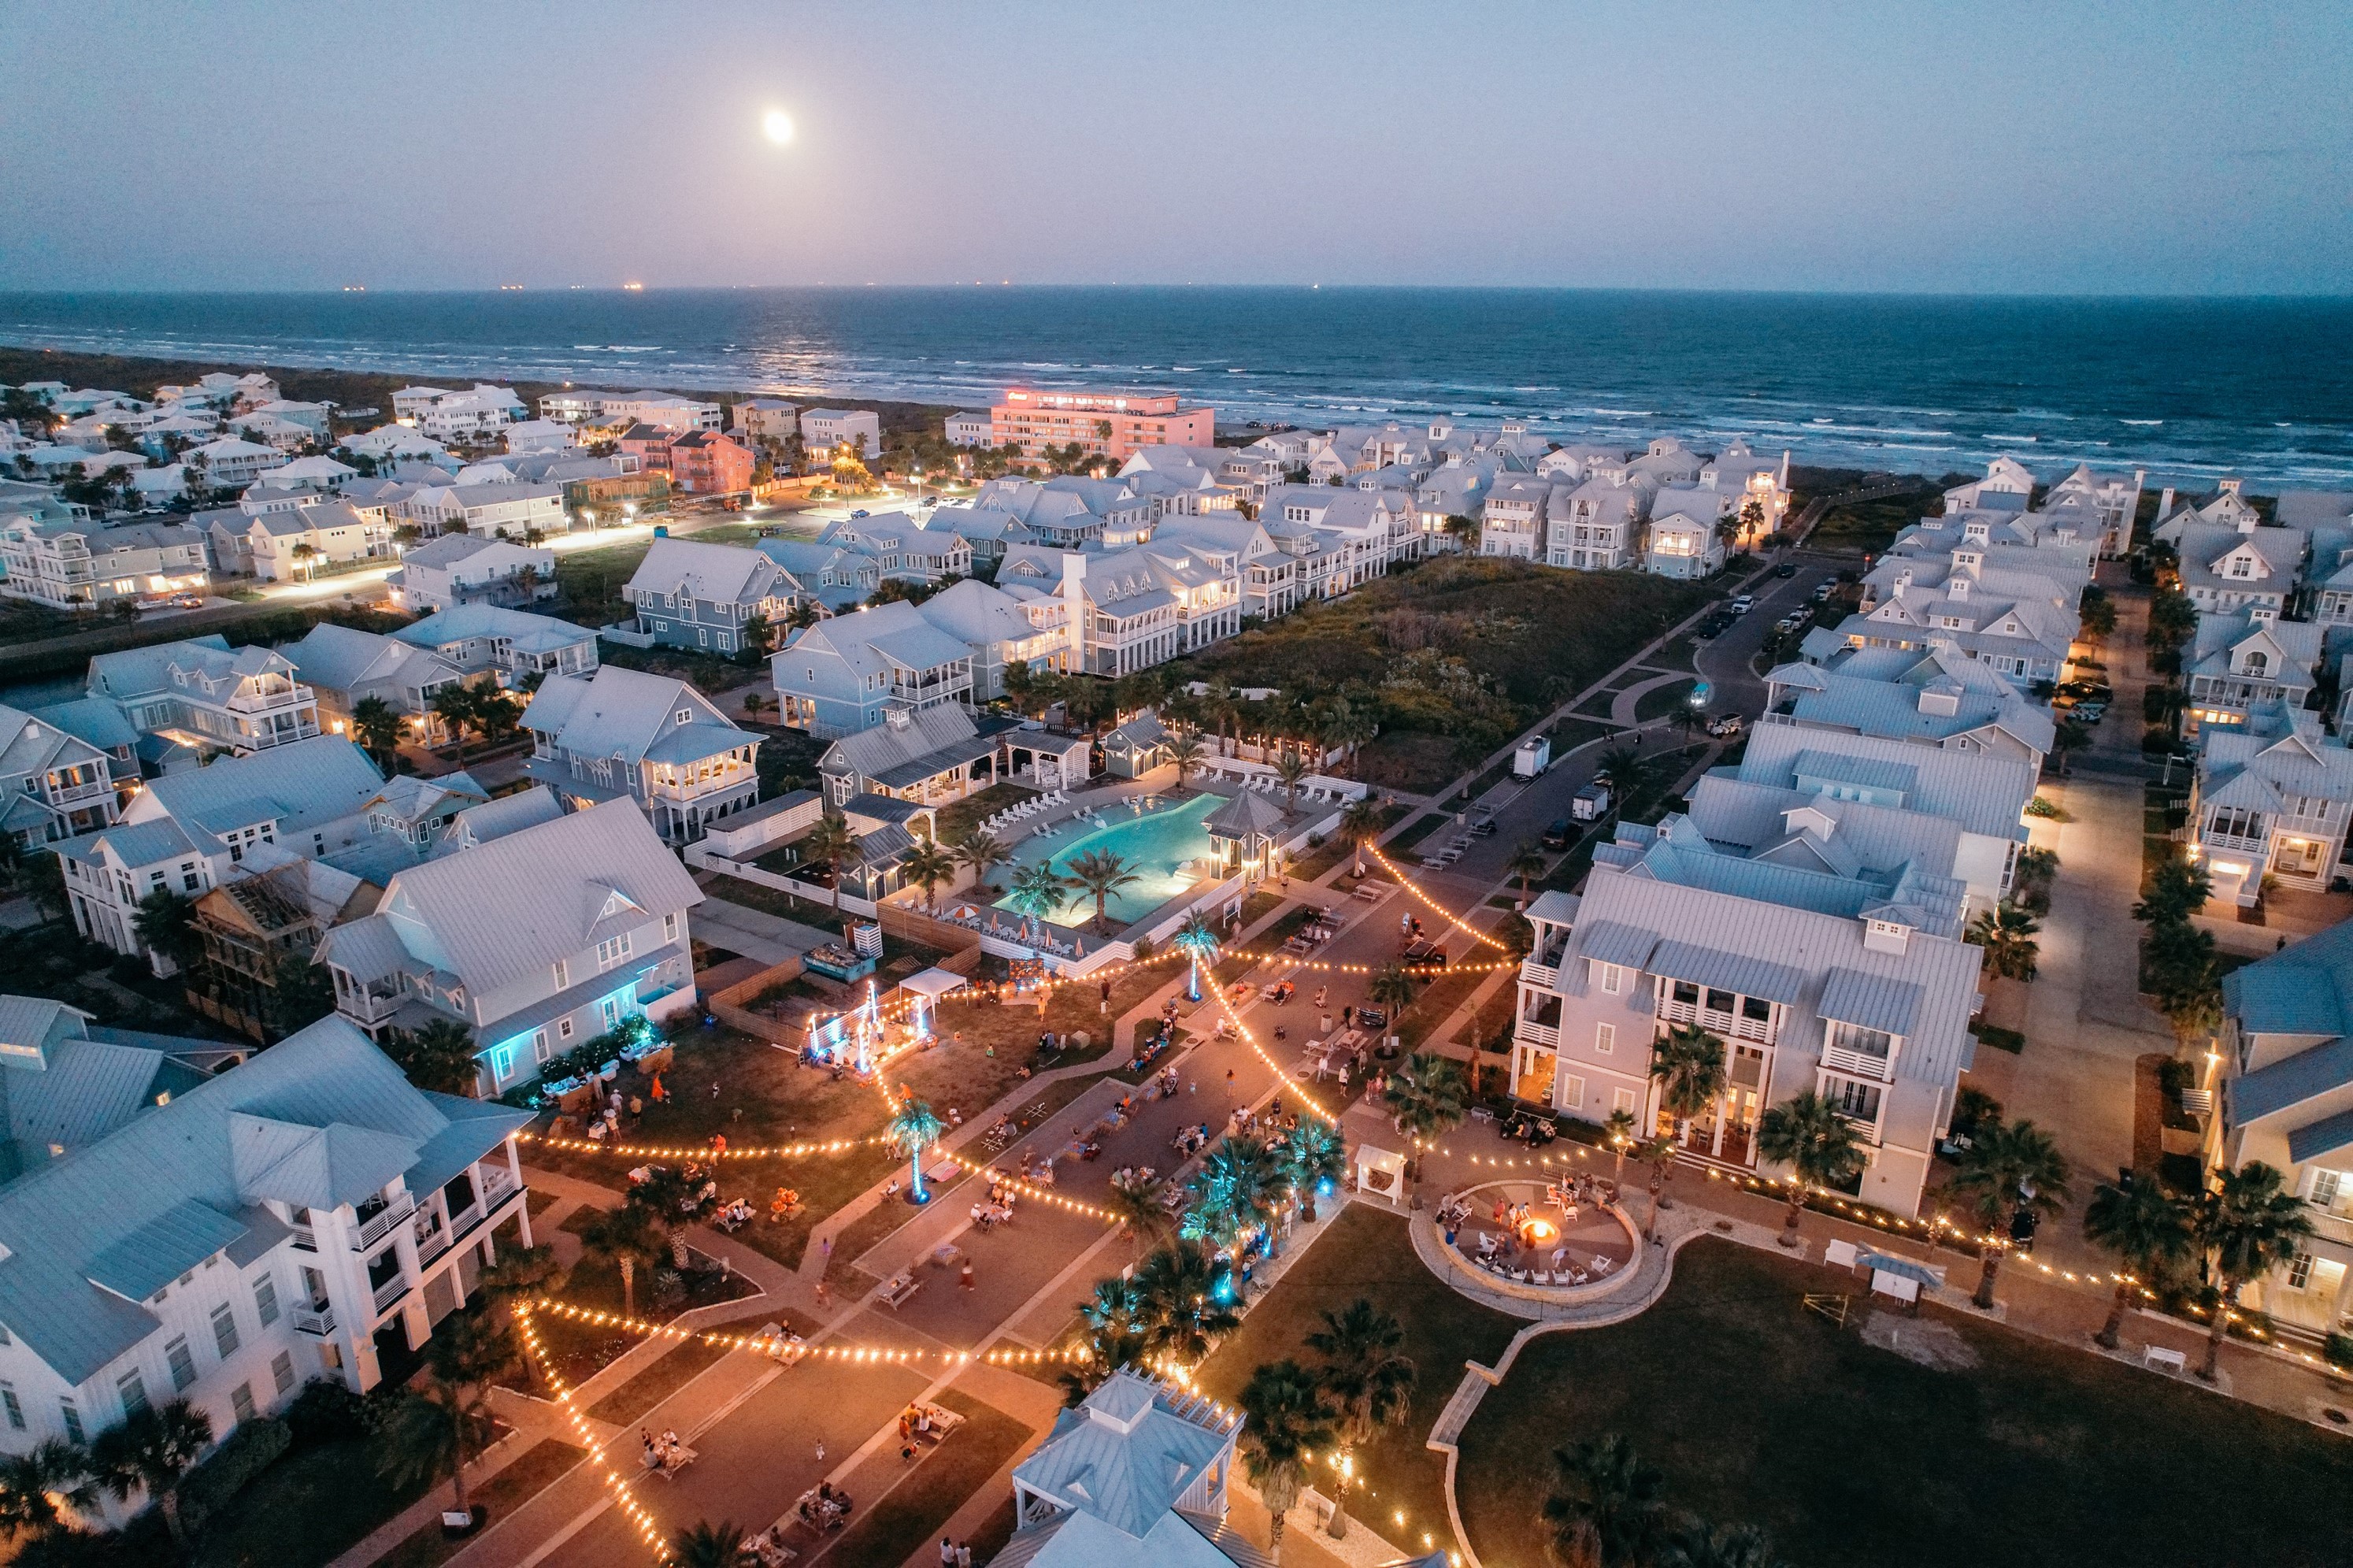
x=1759, y=1410
x=1367, y=1253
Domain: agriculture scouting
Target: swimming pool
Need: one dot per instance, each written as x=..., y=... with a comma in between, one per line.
x=1161, y=847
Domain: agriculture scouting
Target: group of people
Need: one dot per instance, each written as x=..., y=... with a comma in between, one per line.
x=954, y=1553
x=767, y=1548
x=1190, y=1140
x=664, y=1452
x=827, y=1508
x=997, y=1210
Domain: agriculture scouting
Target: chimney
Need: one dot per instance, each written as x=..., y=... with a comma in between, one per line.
x=2231, y=486
x=2165, y=503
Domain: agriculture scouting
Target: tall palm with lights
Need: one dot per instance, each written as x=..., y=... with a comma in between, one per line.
x=2146, y=1228
x=2006, y=1173
x=1369, y=1378
x=978, y=849
x=913, y=1129
x=1236, y=1192
x=1427, y=1099
x=1808, y=1134
x=1040, y=890
x=1188, y=1292
x=1360, y=824
x=1184, y=752
x=1197, y=940
x=1687, y=1064
x=1287, y=1416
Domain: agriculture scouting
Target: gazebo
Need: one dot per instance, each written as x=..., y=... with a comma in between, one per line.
x=1245, y=834
x=1380, y=1171
x=923, y=990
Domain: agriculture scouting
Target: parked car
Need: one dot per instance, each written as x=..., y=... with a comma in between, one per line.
x=187, y=601
x=1743, y=604
x=1555, y=834
x=1785, y=569
x=1724, y=725
x=1822, y=589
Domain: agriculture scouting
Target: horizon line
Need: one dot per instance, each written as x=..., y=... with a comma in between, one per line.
x=2316, y=296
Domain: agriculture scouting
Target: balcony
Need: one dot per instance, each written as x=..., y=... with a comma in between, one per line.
x=70, y=794
x=497, y=1182
x=378, y=1225
x=366, y=1006
x=1537, y=974
x=306, y=1238
x=319, y=1320
x=2247, y=844
x=1866, y=1131
x=390, y=1291
x=1716, y=1022
x=432, y=1244
x=1861, y=1064
x=1528, y=1031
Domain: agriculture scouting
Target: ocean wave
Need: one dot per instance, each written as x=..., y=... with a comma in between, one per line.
x=2150, y=423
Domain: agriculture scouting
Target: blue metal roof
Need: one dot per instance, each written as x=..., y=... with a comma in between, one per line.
x=174, y=1242
x=1728, y=971
x=1874, y=1001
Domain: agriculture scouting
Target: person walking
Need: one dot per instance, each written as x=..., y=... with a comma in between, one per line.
x=948, y=1553
x=963, y=1555
x=965, y=1278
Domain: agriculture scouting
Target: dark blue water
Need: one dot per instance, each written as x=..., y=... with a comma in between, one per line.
x=2189, y=388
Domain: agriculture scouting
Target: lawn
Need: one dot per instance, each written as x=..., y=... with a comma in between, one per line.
x=593, y=581
x=1661, y=701
x=1759, y=1410
x=910, y=1514
x=332, y=1491
x=524, y=1478
x=1453, y=656
x=1366, y=1252
x=1869, y=525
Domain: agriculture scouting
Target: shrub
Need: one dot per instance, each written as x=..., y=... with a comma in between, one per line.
x=252, y=1449
x=2338, y=1349
x=325, y=1412
x=2040, y=807
x=2175, y=1077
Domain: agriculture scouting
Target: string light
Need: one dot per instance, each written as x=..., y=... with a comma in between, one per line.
x=1408, y=883
x=1274, y=1066
x=859, y=1355
x=649, y=1529
x=704, y=1150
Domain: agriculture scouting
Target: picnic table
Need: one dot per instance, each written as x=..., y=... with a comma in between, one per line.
x=668, y=1462
x=899, y=1286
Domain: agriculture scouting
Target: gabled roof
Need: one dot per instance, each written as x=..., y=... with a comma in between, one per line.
x=618, y=713
x=142, y=1197
x=1128, y=1454
x=342, y=658
x=513, y=907
x=723, y=574
x=301, y=785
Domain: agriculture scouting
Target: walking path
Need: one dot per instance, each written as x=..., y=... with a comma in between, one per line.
x=1623, y=706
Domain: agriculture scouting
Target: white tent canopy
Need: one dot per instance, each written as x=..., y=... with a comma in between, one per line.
x=1379, y=1172
x=932, y=982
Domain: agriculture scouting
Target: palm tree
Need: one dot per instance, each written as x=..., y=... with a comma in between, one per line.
x=1136, y=1205
x=2177, y=890
x=165, y=923
x=304, y=554
x=2006, y=1173
x=625, y=1237
x=521, y=1273
x=1235, y=1192
x=832, y=842
x=1117, y=1318
x=1624, y=765
x=913, y=1129
x=1220, y=702
x=453, y=705
x=2071, y=735
x=1185, y=753
x=2007, y=934
x=927, y=865
x=1697, y=1545
x=1290, y=769
x=1188, y=1289
x=1808, y=1134
x=1392, y=987
x=2147, y=1230
x=440, y=1056
x=977, y=849
x=1607, y=1509
x=1197, y=940
x=1347, y=726
x=1527, y=863
x=1040, y=890
x=1659, y=1154
x=1692, y=721
x=1369, y=1378
x=377, y=724
x=1620, y=1129
x=1360, y=824
x=1311, y=1154
x=708, y=1545
x=1687, y=1064
x=1427, y=1099
x=1102, y=873
x=1285, y=1418
x=150, y=1452
x=2248, y=1225
x=33, y=1484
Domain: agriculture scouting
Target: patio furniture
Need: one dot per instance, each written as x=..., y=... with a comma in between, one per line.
x=899, y=1286
x=2158, y=1358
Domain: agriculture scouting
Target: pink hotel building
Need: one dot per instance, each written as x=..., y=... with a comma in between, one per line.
x=1112, y=423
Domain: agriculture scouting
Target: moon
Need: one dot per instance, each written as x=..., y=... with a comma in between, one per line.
x=777, y=126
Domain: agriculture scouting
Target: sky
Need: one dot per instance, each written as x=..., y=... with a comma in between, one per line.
x=1923, y=145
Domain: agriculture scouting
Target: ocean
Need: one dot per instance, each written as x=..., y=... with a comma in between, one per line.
x=2190, y=389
